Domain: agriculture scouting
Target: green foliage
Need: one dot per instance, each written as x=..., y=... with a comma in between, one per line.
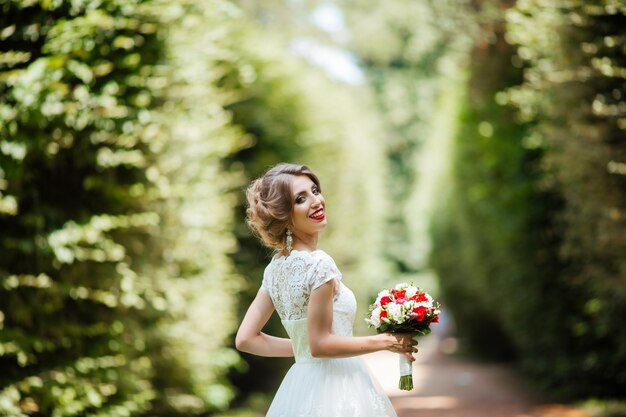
x=486, y=231
x=605, y=408
x=73, y=159
x=530, y=234
x=404, y=47
x=573, y=91
x=196, y=200
x=115, y=284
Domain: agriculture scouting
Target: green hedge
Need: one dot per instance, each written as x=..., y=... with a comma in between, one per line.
x=404, y=49
x=73, y=159
x=529, y=242
x=116, y=290
x=573, y=92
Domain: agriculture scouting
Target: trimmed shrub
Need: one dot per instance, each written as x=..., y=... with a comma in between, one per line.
x=531, y=234
x=116, y=290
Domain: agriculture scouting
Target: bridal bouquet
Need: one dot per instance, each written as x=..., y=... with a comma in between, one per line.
x=404, y=309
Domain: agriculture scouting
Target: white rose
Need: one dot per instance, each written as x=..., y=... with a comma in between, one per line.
x=375, y=318
x=430, y=300
x=410, y=291
x=395, y=312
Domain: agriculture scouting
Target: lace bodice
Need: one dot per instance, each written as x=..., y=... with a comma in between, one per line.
x=290, y=281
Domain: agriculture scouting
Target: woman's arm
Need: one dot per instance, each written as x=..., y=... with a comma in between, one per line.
x=324, y=343
x=249, y=337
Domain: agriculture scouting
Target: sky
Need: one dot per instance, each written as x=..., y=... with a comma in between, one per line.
x=338, y=63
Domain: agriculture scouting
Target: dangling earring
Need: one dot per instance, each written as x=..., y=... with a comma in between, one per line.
x=289, y=241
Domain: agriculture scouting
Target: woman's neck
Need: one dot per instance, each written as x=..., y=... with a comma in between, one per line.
x=305, y=242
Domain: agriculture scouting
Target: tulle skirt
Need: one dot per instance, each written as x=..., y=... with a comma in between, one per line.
x=330, y=388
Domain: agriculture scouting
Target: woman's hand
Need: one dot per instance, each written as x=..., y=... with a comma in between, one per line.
x=402, y=343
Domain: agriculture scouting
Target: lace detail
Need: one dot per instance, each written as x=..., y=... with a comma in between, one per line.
x=290, y=280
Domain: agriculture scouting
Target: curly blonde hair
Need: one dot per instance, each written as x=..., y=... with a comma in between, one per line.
x=270, y=203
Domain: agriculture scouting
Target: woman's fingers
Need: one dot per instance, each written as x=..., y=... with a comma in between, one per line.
x=409, y=341
x=405, y=344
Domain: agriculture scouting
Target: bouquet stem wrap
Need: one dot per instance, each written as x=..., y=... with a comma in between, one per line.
x=406, y=374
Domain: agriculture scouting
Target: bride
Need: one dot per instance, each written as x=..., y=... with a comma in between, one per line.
x=303, y=284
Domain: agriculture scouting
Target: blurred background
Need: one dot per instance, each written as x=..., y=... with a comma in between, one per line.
x=474, y=147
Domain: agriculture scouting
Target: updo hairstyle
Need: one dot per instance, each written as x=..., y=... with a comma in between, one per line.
x=270, y=202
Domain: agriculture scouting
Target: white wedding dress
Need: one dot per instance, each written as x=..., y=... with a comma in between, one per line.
x=319, y=387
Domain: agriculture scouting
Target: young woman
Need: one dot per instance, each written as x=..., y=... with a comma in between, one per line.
x=303, y=284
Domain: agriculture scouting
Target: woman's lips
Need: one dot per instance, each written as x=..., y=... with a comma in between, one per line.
x=318, y=215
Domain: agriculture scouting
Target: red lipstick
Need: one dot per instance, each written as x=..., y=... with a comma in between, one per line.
x=318, y=215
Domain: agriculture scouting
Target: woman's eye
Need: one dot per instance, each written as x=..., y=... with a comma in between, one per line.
x=300, y=200
x=316, y=191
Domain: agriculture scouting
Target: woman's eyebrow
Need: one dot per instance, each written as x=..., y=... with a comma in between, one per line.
x=304, y=191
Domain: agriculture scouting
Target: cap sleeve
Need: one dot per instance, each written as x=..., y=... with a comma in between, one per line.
x=265, y=284
x=323, y=271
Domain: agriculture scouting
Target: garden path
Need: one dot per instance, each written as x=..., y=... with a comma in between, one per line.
x=448, y=386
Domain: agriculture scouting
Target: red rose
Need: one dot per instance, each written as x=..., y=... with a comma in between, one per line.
x=385, y=300
x=420, y=313
x=420, y=297
x=383, y=314
x=400, y=294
